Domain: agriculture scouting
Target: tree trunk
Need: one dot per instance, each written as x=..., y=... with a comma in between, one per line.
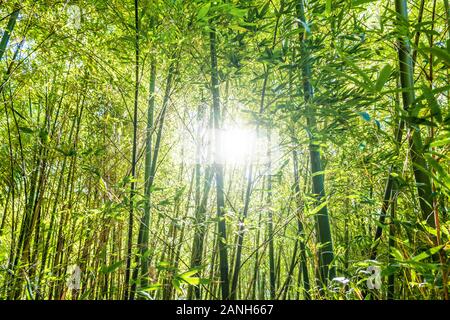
x=129, y=292
x=218, y=168
x=323, y=231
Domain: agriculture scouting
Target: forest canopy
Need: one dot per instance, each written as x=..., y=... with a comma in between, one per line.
x=252, y=149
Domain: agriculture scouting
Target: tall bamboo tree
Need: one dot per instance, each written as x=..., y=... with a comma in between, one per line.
x=323, y=230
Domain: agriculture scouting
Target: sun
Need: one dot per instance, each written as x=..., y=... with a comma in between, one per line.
x=238, y=145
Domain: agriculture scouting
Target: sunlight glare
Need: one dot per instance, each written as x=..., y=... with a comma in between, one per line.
x=237, y=145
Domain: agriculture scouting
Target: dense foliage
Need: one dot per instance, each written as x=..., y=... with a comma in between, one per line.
x=252, y=149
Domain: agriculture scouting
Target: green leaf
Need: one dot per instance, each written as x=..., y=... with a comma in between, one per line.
x=152, y=287
x=317, y=209
x=362, y=73
x=328, y=7
x=397, y=254
x=435, y=164
x=187, y=277
x=364, y=115
x=111, y=268
x=26, y=129
x=239, y=13
x=356, y=3
x=378, y=124
x=383, y=77
x=192, y=280
x=440, y=141
x=264, y=9
x=164, y=202
x=203, y=11
x=305, y=26
x=189, y=273
x=176, y=284
x=29, y=292
x=237, y=28
x=427, y=253
x=348, y=76
x=441, y=54
x=68, y=153
x=432, y=103
x=164, y=265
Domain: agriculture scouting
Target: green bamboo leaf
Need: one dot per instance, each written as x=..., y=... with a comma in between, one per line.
x=239, y=13
x=356, y=3
x=397, y=254
x=317, y=209
x=165, y=202
x=349, y=77
x=192, y=280
x=427, y=253
x=442, y=54
x=238, y=28
x=440, y=141
x=26, y=129
x=177, y=284
x=364, y=115
x=203, y=11
x=189, y=273
x=164, y=265
x=366, y=83
x=378, y=124
x=383, y=77
x=264, y=9
x=435, y=164
x=111, y=268
x=152, y=287
x=328, y=7
x=432, y=103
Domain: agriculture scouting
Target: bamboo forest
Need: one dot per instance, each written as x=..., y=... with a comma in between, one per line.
x=224, y=149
